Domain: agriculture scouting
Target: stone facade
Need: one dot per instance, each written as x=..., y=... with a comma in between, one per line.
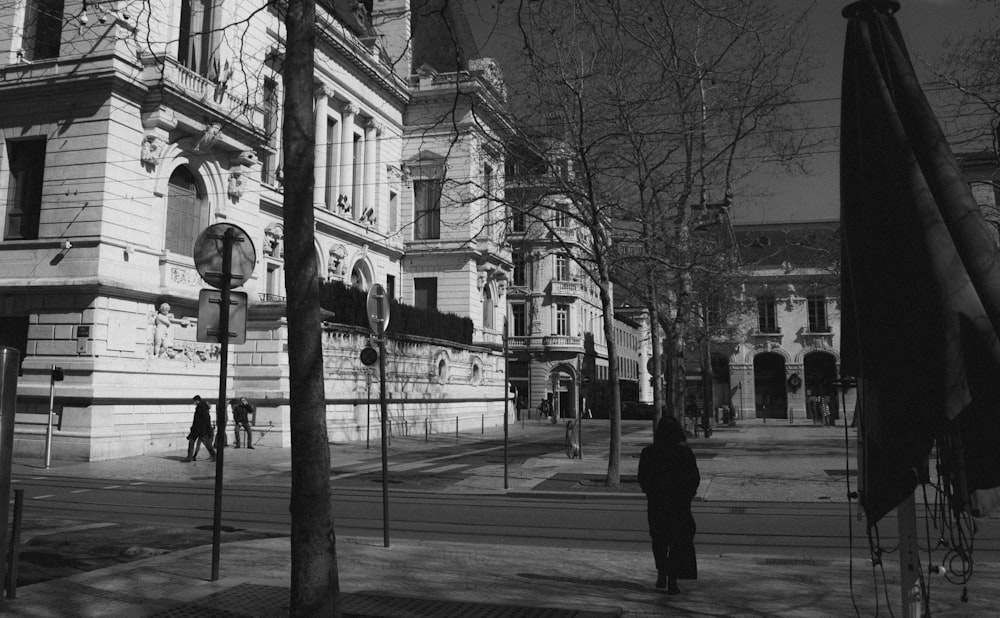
x=783, y=364
x=134, y=130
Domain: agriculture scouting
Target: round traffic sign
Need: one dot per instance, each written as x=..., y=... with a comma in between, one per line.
x=208, y=255
x=378, y=307
x=368, y=356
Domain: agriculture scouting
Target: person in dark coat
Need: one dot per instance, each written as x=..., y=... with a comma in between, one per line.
x=201, y=430
x=668, y=475
x=242, y=411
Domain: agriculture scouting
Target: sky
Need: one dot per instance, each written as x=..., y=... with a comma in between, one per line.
x=780, y=197
x=925, y=25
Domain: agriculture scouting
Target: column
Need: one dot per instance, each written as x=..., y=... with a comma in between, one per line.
x=370, y=189
x=347, y=153
x=319, y=133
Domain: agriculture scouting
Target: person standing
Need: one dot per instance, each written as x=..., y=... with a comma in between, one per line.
x=668, y=475
x=201, y=430
x=242, y=410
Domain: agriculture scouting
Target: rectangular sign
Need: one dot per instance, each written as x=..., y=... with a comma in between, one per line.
x=209, y=316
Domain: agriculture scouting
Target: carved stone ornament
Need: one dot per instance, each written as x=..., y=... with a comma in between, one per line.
x=149, y=153
x=235, y=186
x=491, y=73
x=336, y=266
x=209, y=137
x=350, y=109
x=274, y=245
x=186, y=276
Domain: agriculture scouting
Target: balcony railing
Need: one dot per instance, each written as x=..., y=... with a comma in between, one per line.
x=567, y=288
x=196, y=86
x=563, y=343
x=518, y=342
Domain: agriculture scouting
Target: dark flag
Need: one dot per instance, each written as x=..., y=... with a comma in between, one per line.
x=920, y=281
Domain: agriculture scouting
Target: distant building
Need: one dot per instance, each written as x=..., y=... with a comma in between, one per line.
x=787, y=355
x=557, y=346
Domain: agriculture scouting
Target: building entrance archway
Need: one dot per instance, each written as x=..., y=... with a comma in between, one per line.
x=563, y=381
x=821, y=396
x=771, y=397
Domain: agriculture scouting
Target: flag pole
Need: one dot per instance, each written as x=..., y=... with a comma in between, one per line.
x=910, y=579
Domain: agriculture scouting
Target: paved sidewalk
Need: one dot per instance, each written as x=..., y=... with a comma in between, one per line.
x=439, y=578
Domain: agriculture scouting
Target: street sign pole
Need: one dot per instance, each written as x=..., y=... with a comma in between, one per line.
x=381, y=319
x=506, y=404
x=215, y=260
x=220, y=408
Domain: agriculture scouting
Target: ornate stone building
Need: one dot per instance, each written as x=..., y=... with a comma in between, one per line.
x=787, y=355
x=127, y=128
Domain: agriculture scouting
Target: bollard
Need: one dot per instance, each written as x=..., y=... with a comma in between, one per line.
x=456, y=428
x=482, y=418
x=10, y=583
x=9, y=364
x=426, y=429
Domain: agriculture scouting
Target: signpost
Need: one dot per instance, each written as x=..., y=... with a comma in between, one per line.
x=225, y=257
x=378, y=319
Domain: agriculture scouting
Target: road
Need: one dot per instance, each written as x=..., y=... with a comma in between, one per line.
x=98, y=514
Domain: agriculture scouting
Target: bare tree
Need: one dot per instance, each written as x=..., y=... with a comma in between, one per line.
x=968, y=80
x=656, y=106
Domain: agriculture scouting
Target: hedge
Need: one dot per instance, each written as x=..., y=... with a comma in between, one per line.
x=350, y=306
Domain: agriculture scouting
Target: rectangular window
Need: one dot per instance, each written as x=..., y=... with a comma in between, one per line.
x=42, y=29
x=426, y=209
x=767, y=315
x=561, y=219
x=390, y=287
x=393, y=210
x=518, y=312
x=425, y=293
x=488, y=199
x=272, y=112
x=24, y=191
x=562, y=268
x=520, y=275
x=519, y=223
x=357, y=172
x=817, y=314
x=562, y=319
x=195, y=40
x=330, y=173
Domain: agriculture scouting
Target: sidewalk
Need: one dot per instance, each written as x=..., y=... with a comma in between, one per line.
x=440, y=578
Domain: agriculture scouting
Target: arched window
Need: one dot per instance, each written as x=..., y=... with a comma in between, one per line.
x=184, y=203
x=488, y=308
x=361, y=277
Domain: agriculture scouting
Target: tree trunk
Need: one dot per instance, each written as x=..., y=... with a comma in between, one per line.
x=613, y=478
x=315, y=586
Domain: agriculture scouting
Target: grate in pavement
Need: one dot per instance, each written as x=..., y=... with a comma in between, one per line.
x=236, y=602
x=272, y=602
x=792, y=562
x=371, y=605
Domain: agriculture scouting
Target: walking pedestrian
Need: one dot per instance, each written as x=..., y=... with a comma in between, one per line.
x=242, y=411
x=544, y=409
x=572, y=444
x=201, y=430
x=668, y=475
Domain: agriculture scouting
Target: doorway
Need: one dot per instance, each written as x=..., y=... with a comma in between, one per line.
x=821, y=396
x=771, y=398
